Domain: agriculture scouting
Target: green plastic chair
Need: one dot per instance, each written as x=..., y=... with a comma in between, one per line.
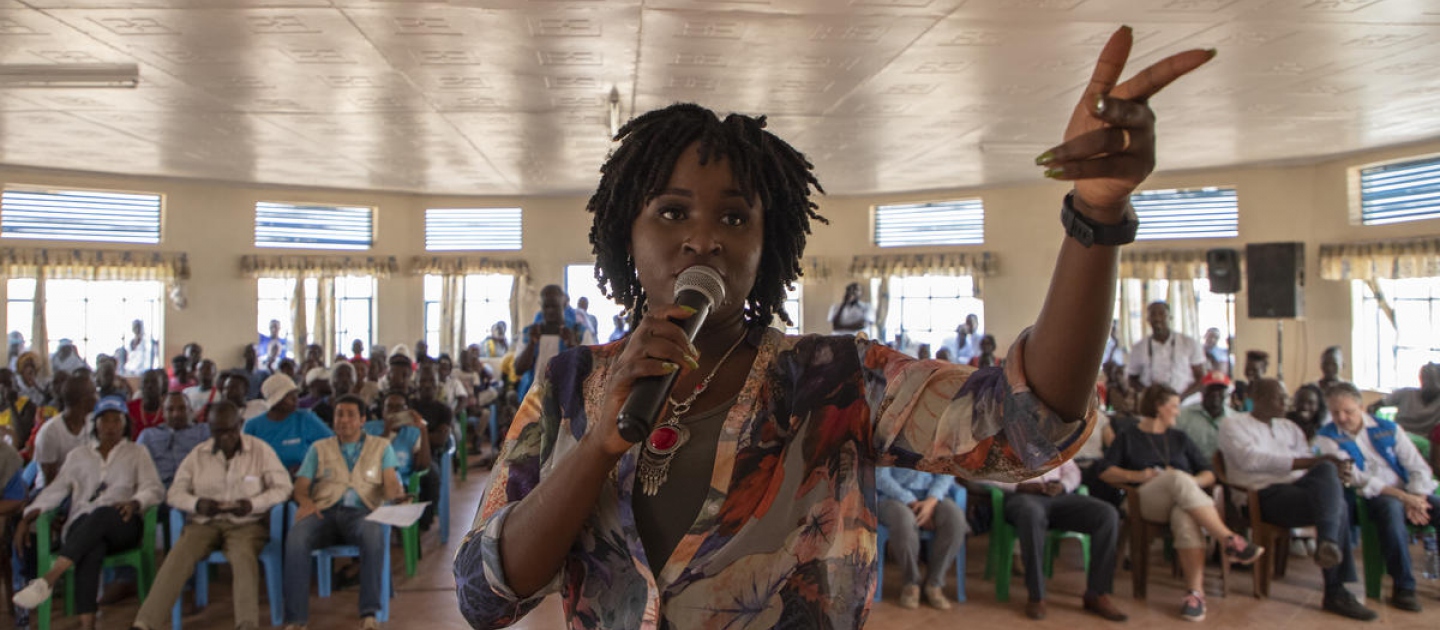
x=1370, y=552
x=142, y=559
x=1421, y=443
x=410, y=536
x=1000, y=560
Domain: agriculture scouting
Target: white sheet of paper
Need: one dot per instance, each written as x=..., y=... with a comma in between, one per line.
x=549, y=347
x=398, y=515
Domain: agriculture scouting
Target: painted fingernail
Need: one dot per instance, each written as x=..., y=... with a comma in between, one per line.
x=694, y=365
x=1045, y=158
x=694, y=352
x=1212, y=52
x=688, y=309
x=1126, y=27
x=1054, y=173
x=1099, y=105
x=669, y=367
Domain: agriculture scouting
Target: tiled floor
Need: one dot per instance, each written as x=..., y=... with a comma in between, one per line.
x=427, y=600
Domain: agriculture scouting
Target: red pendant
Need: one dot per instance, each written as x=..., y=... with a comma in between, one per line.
x=663, y=439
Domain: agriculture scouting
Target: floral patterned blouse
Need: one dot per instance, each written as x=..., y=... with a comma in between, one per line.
x=786, y=536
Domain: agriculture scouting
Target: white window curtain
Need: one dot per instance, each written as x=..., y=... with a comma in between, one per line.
x=85, y=264
x=1148, y=276
x=324, y=269
x=452, y=271
x=977, y=265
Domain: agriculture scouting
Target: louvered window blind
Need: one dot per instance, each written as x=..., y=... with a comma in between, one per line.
x=81, y=215
x=454, y=229
x=304, y=226
x=1187, y=213
x=1395, y=193
x=960, y=222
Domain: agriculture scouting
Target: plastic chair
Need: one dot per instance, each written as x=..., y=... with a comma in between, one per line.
x=1370, y=552
x=272, y=563
x=1000, y=559
x=410, y=536
x=324, y=564
x=1274, y=538
x=1421, y=443
x=142, y=559
x=882, y=536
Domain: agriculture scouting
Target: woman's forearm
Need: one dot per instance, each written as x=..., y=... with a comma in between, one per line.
x=1062, y=355
x=1117, y=475
x=541, y=529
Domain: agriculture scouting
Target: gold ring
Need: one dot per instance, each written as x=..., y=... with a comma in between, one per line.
x=1125, y=134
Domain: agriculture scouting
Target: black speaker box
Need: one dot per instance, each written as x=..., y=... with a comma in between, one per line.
x=1275, y=275
x=1222, y=266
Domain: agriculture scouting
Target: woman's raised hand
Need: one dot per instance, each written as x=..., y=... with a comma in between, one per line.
x=1109, y=146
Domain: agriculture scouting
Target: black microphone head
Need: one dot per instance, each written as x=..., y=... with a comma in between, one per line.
x=703, y=279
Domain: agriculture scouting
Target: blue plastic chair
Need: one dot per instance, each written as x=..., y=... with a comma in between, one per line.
x=272, y=563
x=442, y=505
x=324, y=564
x=882, y=536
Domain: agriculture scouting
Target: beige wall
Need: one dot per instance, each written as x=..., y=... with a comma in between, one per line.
x=214, y=222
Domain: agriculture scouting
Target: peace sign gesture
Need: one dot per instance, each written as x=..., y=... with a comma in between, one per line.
x=1109, y=145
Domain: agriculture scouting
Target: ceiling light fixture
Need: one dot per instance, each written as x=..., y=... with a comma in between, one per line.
x=70, y=75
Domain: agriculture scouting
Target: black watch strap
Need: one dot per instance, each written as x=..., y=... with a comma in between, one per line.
x=1087, y=232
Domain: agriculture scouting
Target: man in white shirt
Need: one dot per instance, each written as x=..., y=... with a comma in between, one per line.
x=228, y=485
x=140, y=351
x=1166, y=356
x=67, y=431
x=1266, y=452
x=205, y=391
x=852, y=315
x=1390, y=476
x=965, y=345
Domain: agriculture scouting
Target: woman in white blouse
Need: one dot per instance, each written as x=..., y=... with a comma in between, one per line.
x=110, y=483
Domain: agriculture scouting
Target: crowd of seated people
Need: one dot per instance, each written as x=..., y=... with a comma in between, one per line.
x=224, y=448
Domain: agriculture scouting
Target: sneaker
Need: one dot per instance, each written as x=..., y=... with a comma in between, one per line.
x=1342, y=603
x=1327, y=554
x=1242, y=551
x=910, y=597
x=1101, y=605
x=1193, y=608
x=1405, y=600
x=34, y=594
x=370, y=624
x=936, y=598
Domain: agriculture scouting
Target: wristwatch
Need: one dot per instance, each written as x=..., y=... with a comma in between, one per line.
x=1088, y=232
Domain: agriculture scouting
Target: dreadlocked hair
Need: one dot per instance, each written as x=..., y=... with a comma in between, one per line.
x=765, y=167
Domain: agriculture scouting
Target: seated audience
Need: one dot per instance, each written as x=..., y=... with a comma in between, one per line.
x=234, y=387
x=70, y=430
x=286, y=428
x=400, y=373
x=182, y=373
x=1264, y=451
x=1332, y=360
x=17, y=411
x=497, y=344
x=317, y=387
x=1050, y=502
x=145, y=411
x=227, y=485
x=455, y=391
x=439, y=422
x=407, y=433
x=1308, y=411
x=987, y=357
x=27, y=366
x=66, y=357
x=1201, y=422
x=108, y=380
x=1417, y=409
x=1257, y=362
x=169, y=443
x=109, y=483
x=205, y=390
x=1389, y=475
x=343, y=478
x=909, y=501
x=289, y=369
x=1172, y=475
x=254, y=374
x=340, y=383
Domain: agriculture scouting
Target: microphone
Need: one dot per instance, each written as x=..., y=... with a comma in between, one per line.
x=700, y=288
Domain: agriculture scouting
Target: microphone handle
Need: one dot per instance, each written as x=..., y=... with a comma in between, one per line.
x=647, y=396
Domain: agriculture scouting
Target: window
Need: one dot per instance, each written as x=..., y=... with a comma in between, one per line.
x=1394, y=193
x=80, y=215
x=354, y=309
x=450, y=229
x=794, y=301
x=487, y=300
x=1394, y=331
x=580, y=282
x=1190, y=213
x=312, y=226
x=960, y=222
x=1211, y=310
x=927, y=309
x=95, y=314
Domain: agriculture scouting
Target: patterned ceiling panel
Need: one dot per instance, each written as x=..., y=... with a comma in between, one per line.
x=511, y=97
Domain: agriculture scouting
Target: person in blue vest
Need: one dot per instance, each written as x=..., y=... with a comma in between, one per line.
x=1389, y=475
x=555, y=318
